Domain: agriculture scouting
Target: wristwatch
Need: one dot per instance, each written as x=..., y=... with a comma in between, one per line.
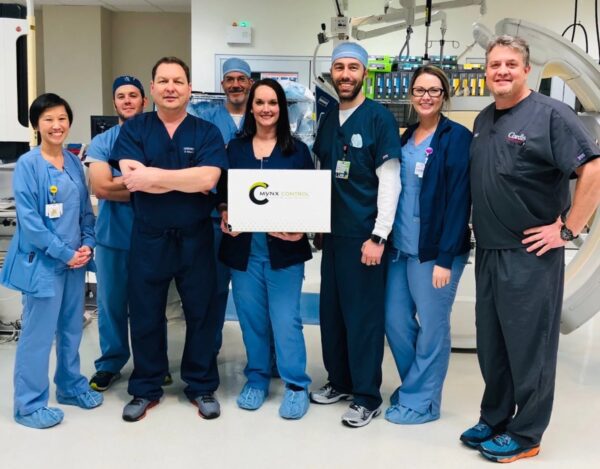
x=566, y=234
x=378, y=239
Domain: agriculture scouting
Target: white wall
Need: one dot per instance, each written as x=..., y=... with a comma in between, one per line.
x=290, y=27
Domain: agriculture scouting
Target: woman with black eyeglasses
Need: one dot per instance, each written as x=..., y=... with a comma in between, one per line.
x=430, y=247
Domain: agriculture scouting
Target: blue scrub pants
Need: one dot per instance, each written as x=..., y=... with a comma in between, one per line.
x=222, y=286
x=352, y=319
x=113, y=269
x=156, y=257
x=266, y=298
x=417, y=325
x=45, y=319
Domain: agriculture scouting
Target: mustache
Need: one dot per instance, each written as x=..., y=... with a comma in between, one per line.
x=236, y=90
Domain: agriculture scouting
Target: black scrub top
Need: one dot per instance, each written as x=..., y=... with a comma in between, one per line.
x=195, y=143
x=520, y=168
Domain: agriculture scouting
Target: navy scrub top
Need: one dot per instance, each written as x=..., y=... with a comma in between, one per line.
x=235, y=251
x=520, y=168
x=368, y=138
x=195, y=143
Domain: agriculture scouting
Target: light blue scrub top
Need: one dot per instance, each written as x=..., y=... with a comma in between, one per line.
x=222, y=119
x=407, y=223
x=42, y=245
x=113, y=226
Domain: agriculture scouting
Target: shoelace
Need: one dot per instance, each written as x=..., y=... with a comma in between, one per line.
x=137, y=401
x=207, y=399
x=502, y=440
x=481, y=427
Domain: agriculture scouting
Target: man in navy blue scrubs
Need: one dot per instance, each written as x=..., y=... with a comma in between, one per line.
x=170, y=162
x=359, y=142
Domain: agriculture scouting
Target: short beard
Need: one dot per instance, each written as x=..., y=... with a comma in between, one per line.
x=352, y=96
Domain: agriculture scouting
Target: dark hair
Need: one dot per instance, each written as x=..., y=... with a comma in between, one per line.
x=172, y=60
x=284, y=135
x=436, y=72
x=44, y=102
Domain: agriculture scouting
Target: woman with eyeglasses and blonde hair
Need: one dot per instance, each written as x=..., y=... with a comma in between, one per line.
x=430, y=247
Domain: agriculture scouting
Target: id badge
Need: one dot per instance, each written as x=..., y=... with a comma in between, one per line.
x=342, y=169
x=419, y=169
x=54, y=210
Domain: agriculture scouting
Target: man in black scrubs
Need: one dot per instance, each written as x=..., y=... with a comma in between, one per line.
x=525, y=149
x=170, y=161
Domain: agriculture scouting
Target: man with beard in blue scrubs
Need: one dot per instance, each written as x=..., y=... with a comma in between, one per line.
x=359, y=142
x=170, y=162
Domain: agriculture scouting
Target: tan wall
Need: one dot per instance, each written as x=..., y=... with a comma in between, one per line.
x=73, y=62
x=82, y=49
x=140, y=39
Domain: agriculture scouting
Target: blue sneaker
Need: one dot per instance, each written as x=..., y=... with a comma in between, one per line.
x=502, y=448
x=294, y=405
x=44, y=417
x=251, y=398
x=403, y=415
x=394, y=398
x=86, y=400
x=477, y=434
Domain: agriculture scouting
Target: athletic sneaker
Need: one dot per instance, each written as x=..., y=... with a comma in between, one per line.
x=208, y=406
x=328, y=395
x=359, y=416
x=136, y=409
x=102, y=380
x=502, y=448
x=477, y=434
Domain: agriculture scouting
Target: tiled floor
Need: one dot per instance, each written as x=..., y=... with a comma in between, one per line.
x=172, y=435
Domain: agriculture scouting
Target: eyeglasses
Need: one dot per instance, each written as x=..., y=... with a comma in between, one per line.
x=230, y=80
x=433, y=92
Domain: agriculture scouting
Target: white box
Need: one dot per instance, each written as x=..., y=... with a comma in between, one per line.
x=290, y=200
x=239, y=35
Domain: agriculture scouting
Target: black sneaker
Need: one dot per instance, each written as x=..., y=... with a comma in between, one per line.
x=359, y=416
x=328, y=395
x=102, y=380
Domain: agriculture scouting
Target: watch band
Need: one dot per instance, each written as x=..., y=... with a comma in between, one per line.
x=566, y=234
x=378, y=239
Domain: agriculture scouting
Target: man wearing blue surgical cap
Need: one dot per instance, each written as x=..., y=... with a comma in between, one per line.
x=113, y=231
x=360, y=143
x=228, y=118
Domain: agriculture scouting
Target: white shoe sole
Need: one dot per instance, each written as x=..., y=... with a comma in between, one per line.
x=353, y=424
x=317, y=399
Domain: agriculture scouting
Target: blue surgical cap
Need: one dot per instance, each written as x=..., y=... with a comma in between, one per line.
x=350, y=50
x=127, y=80
x=236, y=65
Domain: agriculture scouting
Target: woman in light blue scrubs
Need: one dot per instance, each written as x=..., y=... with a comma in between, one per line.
x=267, y=269
x=46, y=261
x=430, y=247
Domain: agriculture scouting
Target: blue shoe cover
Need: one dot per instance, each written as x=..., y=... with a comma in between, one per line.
x=44, y=417
x=405, y=416
x=294, y=404
x=86, y=400
x=251, y=398
x=394, y=397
